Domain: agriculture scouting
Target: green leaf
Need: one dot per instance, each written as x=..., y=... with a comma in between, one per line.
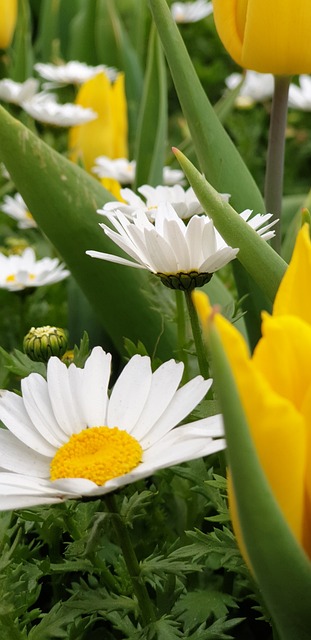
x=63, y=199
x=19, y=364
x=281, y=567
x=264, y=265
x=197, y=606
x=152, y=124
x=219, y=159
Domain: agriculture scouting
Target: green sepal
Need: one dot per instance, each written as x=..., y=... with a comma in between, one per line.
x=152, y=123
x=281, y=567
x=264, y=265
x=63, y=200
x=22, y=60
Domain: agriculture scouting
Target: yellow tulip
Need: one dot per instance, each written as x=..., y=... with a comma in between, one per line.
x=107, y=135
x=8, y=16
x=274, y=385
x=269, y=36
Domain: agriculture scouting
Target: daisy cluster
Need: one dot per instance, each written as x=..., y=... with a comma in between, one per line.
x=167, y=232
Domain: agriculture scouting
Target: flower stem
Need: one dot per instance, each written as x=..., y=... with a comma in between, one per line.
x=181, y=333
x=197, y=336
x=124, y=540
x=275, y=157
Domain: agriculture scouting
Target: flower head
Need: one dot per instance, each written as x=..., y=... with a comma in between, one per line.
x=15, y=207
x=19, y=272
x=45, y=108
x=124, y=171
x=72, y=72
x=184, y=201
x=40, y=343
x=183, y=256
x=269, y=37
x=184, y=12
x=256, y=87
x=18, y=92
x=67, y=438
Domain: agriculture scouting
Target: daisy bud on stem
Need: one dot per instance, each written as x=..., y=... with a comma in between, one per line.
x=43, y=342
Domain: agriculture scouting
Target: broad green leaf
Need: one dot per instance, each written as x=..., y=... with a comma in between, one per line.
x=152, y=125
x=281, y=567
x=63, y=199
x=264, y=265
x=219, y=159
x=22, y=60
x=48, y=30
x=82, y=34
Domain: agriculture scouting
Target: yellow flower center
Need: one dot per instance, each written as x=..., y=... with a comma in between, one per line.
x=10, y=278
x=98, y=454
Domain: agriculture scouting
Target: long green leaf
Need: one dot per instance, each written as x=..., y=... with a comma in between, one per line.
x=281, y=567
x=63, y=199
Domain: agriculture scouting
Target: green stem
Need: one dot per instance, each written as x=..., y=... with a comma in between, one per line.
x=275, y=157
x=181, y=333
x=124, y=540
x=197, y=336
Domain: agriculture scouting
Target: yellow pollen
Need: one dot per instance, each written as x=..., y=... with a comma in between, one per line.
x=10, y=278
x=98, y=454
x=28, y=215
x=31, y=276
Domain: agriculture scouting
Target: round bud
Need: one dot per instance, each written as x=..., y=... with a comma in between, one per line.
x=41, y=343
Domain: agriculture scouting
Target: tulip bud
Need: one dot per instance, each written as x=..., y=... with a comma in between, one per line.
x=41, y=343
x=8, y=13
x=266, y=36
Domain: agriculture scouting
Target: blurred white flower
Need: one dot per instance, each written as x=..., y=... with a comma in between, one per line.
x=299, y=97
x=123, y=171
x=184, y=201
x=18, y=92
x=68, y=437
x=15, y=207
x=45, y=108
x=72, y=72
x=183, y=255
x=19, y=272
x=256, y=87
x=184, y=12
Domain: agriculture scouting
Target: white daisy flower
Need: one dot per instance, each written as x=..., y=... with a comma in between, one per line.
x=15, y=207
x=300, y=97
x=256, y=87
x=124, y=171
x=184, y=12
x=72, y=72
x=184, y=201
x=18, y=92
x=45, y=108
x=183, y=256
x=19, y=272
x=66, y=437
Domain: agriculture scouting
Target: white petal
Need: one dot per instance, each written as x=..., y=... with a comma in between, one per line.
x=130, y=394
x=94, y=392
x=38, y=406
x=18, y=491
x=178, y=243
x=14, y=416
x=15, y=456
x=183, y=402
x=62, y=400
x=109, y=257
x=160, y=253
x=164, y=384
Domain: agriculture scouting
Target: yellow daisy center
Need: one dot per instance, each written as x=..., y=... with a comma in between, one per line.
x=98, y=454
x=10, y=278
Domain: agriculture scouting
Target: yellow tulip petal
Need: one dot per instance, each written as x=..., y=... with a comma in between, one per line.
x=275, y=38
x=8, y=13
x=202, y=305
x=283, y=356
x=120, y=124
x=277, y=427
x=293, y=296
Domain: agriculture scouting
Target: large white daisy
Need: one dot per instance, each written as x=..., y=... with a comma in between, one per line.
x=19, y=272
x=66, y=437
x=183, y=255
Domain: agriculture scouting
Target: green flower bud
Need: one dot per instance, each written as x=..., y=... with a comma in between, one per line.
x=184, y=281
x=41, y=343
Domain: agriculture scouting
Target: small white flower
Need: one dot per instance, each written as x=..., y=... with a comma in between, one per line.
x=15, y=207
x=45, y=108
x=19, y=272
x=183, y=256
x=300, y=97
x=184, y=12
x=72, y=72
x=124, y=171
x=66, y=437
x=18, y=92
x=256, y=87
x=184, y=201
